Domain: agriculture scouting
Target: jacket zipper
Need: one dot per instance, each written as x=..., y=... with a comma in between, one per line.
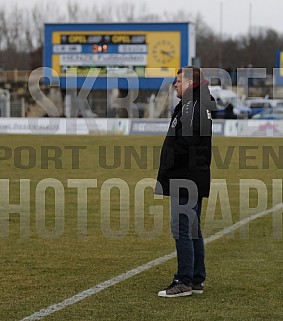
x=193, y=113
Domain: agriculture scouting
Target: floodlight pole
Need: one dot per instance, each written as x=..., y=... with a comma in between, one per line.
x=250, y=32
x=220, y=34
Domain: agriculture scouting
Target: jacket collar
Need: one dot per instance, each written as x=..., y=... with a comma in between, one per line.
x=193, y=91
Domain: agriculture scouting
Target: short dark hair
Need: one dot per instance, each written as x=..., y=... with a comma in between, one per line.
x=191, y=72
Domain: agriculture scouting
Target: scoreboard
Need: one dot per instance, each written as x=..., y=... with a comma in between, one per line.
x=150, y=52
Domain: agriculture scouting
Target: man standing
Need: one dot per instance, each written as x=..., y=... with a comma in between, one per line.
x=184, y=175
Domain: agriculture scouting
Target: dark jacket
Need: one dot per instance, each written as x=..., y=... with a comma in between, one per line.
x=186, y=151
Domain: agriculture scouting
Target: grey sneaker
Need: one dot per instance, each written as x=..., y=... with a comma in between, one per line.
x=175, y=289
x=197, y=288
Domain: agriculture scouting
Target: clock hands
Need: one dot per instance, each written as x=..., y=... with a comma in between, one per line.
x=167, y=53
x=163, y=52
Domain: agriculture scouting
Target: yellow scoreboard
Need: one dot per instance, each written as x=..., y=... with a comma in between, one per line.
x=149, y=50
x=279, y=68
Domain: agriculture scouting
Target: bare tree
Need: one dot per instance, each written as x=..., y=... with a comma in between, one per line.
x=126, y=11
x=180, y=15
x=73, y=12
x=102, y=13
x=3, y=30
x=21, y=33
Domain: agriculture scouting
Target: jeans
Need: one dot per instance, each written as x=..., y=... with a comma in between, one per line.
x=185, y=227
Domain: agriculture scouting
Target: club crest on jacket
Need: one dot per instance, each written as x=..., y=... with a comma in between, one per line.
x=174, y=122
x=208, y=114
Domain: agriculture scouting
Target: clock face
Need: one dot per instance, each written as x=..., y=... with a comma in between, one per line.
x=163, y=52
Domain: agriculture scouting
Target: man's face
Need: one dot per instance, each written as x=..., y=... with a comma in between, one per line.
x=181, y=85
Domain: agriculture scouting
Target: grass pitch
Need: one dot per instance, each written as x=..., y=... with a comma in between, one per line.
x=244, y=270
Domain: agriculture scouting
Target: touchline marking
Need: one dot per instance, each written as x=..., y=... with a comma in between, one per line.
x=124, y=276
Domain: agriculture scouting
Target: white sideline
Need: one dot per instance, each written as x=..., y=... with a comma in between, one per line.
x=122, y=277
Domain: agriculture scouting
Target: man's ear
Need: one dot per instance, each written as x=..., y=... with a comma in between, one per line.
x=190, y=82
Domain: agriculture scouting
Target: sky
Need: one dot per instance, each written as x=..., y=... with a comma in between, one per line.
x=230, y=17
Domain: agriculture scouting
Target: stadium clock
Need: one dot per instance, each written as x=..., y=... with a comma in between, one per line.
x=163, y=51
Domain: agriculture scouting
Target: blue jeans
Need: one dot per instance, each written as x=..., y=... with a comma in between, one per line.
x=185, y=227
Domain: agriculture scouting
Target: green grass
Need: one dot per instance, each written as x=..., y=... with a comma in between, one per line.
x=244, y=275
